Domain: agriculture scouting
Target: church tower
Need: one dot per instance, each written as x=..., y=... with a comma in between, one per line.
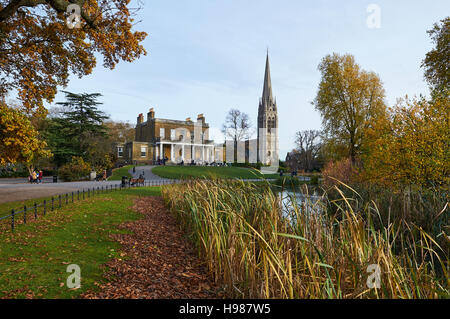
x=267, y=122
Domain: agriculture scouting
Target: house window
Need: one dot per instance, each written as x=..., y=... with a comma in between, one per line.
x=172, y=134
x=143, y=151
x=120, y=151
x=162, y=132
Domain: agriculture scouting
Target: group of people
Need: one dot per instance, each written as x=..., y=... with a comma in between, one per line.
x=162, y=161
x=36, y=177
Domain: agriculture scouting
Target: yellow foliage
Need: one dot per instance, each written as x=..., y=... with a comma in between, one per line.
x=411, y=144
x=19, y=140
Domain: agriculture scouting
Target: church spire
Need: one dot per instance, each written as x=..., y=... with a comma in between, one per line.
x=267, y=90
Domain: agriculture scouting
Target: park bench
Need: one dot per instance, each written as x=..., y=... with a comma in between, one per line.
x=138, y=181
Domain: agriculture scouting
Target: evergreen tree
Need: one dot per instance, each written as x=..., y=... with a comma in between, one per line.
x=78, y=130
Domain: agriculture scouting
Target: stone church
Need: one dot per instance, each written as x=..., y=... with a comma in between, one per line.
x=188, y=141
x=267, y=140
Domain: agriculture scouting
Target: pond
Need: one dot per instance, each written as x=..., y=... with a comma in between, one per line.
x=306, y=201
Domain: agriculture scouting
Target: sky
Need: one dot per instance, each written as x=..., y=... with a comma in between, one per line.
x=207, y=56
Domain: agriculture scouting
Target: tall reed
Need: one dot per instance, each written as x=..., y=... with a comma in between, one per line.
x=257, y=249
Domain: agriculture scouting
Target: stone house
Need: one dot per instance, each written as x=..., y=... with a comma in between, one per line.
x=175, y=140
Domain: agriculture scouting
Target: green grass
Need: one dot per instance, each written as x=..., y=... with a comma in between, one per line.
x=182, y=172
x=119, y=172
x=34, y=259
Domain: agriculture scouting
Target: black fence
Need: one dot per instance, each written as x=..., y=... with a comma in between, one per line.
x=58, y=201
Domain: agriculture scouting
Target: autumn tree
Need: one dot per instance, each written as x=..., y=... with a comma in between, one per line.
x=436, y=62
x=19, y=140
x=38, y=49
x=410, y=145
x=348, y=99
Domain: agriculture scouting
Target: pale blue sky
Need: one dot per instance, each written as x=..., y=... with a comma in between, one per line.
x=207, y=56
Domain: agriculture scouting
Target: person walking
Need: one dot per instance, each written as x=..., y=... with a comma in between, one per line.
x=104, y=174
x=34, y=177
x=41, y=174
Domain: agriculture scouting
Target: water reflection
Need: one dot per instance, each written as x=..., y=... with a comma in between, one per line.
x=301, y=201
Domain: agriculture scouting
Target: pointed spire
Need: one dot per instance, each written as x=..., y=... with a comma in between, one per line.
x=267, y=90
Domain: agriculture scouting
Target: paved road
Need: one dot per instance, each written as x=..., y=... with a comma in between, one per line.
x=12, y=189
x=12, y=192
x=147, y=170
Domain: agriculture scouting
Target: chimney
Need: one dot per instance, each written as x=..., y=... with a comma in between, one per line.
x=201, y=118
x=140, y=118
x=188, y=119
x=151, y=114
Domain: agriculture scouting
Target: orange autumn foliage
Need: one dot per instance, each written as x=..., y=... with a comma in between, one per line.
x=38, y=50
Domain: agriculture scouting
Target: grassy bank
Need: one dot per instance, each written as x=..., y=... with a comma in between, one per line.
x=34, y=259
x=119, y=172
x=257, y=252
x=183, y=172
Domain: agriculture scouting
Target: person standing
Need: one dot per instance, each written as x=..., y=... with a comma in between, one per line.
x=41, y=174
x=104, y=174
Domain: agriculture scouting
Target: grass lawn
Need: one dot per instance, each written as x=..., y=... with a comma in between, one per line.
x=119, y=172
x=179, y=172
x=34, y=259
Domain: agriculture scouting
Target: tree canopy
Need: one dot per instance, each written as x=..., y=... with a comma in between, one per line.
x=38, y=50
x=411, y=145
x=19, y=140
x=79, y=130
x=348, y=99
x=436, y=62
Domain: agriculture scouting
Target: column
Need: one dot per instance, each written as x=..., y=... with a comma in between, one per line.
x=182, y=152
x=161, y=154
x=172, y=158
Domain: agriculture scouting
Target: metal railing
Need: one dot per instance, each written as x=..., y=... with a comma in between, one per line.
x=60, y=200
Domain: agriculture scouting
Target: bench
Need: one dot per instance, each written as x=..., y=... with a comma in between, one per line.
x=138, y=181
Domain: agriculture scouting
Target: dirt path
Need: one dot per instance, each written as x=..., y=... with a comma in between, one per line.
x=158, y=261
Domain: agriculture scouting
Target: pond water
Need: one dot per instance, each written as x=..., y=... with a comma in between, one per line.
x=305, y=202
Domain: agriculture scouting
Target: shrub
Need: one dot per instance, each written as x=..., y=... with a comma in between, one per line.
x=344, y=171
x=77, y=169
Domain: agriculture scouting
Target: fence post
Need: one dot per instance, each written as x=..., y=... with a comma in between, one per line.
x=25, y=214
x=59, y=199
x=67, y=198
x=35, y=210
x=83, y=193
x=89, y=192
x=53, y=200
x=12, y=220
x=45, y=206
x=72, y=197
x=78, y=194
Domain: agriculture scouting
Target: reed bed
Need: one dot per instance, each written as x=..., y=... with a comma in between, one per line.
x=256, y=248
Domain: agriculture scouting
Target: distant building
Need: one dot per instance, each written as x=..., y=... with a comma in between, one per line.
x=174, y=140
x=268, y=148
